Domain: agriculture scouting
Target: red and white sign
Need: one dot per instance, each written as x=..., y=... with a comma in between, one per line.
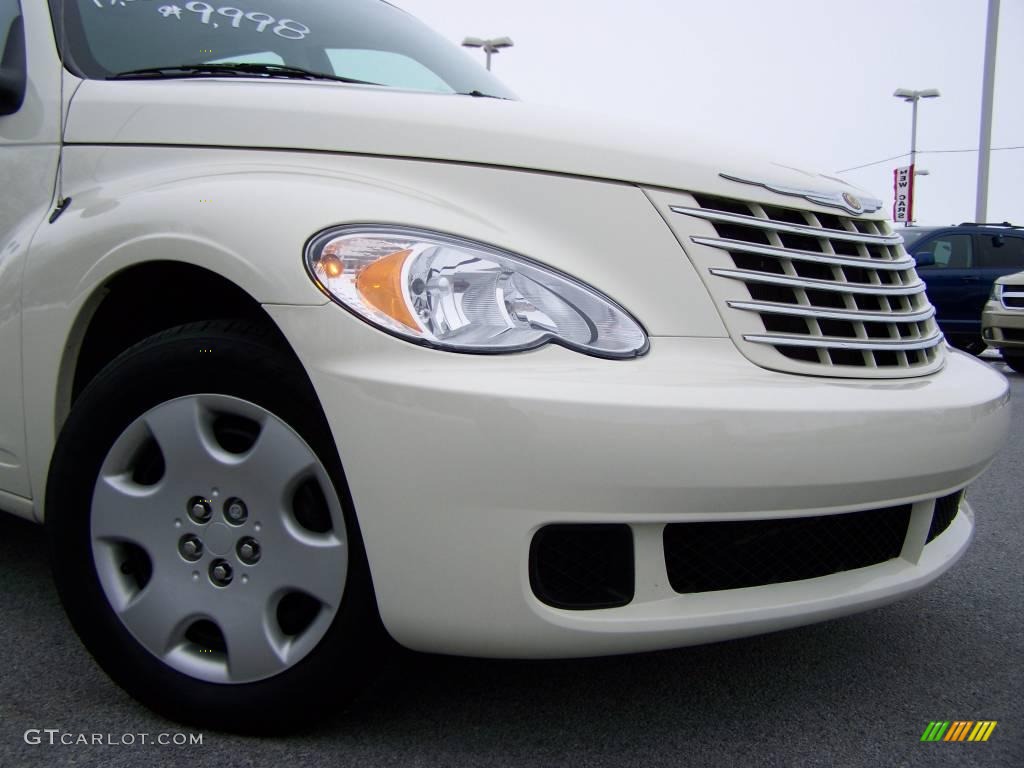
x=903, y=194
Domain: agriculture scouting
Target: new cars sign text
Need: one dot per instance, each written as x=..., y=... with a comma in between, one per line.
x=903, y=194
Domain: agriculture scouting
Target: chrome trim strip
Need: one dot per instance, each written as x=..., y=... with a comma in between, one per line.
x=853, y=315
x=780, y=226
x=748, y=276
x=848, y=201
x=727, y=244
x=832, y=342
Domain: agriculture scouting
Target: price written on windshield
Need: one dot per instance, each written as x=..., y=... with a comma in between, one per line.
x=229, y=17
x=286, y=28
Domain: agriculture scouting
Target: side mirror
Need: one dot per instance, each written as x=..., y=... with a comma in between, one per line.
x=926, y=259
x=13, y=75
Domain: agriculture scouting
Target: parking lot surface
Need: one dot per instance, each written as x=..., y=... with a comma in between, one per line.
x=857, y=691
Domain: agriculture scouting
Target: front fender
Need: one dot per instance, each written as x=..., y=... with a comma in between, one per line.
x=246, y=215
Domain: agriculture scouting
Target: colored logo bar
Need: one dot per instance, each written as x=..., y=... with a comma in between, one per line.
x=959, y=730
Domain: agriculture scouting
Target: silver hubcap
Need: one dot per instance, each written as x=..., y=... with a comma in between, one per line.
x=218, y=539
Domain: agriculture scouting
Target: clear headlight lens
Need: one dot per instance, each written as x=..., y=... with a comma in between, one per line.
x=458, y=295
x=997, y=292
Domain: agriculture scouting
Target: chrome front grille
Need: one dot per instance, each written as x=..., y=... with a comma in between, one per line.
x=1013, y=298
x=817, y=293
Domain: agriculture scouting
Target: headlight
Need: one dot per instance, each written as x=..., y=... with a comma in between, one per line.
x=459, y=295
x=997, y=292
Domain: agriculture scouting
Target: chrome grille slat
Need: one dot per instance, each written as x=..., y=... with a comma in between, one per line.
x=1012, y=299
x=750, y=276
x=795, y=229
x=810, y=292
x=726, y=244
x=833, y=342
x=853, y=315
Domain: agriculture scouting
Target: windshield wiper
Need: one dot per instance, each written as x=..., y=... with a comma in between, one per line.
x=231, y=68
x=482, y=95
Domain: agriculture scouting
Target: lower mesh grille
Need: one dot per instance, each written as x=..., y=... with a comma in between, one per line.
x=946, y=509
x=1013, y=334
x=582, y=567
x=706, y=557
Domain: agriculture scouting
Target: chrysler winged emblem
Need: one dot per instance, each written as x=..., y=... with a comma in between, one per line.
x=845, y=200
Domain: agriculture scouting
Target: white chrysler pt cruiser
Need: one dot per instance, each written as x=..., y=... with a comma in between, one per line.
x=311, y=335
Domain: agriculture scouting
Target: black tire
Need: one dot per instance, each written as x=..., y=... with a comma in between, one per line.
x=972, y=345
x=1015, y=361
x=244, y=361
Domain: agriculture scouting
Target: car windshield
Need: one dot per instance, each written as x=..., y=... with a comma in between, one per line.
x=362, y=40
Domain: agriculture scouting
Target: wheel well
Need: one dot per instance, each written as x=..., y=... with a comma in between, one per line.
x=152, y=297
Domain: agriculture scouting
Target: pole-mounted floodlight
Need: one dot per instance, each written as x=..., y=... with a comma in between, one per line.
x=491, y=46
x=908, y=95
x=913, y=97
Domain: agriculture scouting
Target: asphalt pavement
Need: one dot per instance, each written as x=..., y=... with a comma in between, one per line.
x=857, y=691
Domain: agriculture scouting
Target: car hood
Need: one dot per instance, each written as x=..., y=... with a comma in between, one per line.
x=334, y=117
x=1016, y=279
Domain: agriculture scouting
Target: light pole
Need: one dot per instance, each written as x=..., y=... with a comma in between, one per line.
x=987, y=93
x=490, y=46
x=913, y=97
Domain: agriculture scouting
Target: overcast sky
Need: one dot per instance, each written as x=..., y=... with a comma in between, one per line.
x=807, y=82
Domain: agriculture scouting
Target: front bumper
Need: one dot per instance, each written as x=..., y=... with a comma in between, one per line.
x=455, y=461
x=1003, y=328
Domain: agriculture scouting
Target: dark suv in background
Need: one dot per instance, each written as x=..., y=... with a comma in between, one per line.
x=959, y=264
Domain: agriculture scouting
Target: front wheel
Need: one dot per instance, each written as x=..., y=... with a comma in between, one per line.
x=972, y=345
x=201, y=535
x=1015, y=361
